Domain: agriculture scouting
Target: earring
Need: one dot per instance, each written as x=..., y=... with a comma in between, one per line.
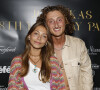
x=29, y=39
x=46, y=43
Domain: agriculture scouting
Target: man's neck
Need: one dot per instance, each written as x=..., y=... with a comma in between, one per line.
x=59, y=41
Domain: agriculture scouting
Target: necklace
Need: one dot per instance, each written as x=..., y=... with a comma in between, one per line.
x=34, y=55
x=35, y=67
x=58, y=49
x=61, y=66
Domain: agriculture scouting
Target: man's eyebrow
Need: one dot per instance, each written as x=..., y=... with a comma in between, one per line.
x=52, y=18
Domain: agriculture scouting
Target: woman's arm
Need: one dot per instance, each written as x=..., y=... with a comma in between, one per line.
x=14, y=79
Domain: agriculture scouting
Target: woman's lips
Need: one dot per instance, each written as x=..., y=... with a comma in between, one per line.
x=37, y=42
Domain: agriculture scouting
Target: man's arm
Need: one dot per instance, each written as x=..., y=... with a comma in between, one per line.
x=86, y=70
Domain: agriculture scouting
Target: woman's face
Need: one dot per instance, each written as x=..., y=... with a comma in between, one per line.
x=38, y=37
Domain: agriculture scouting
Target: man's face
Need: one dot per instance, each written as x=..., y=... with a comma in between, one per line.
x=56, y=23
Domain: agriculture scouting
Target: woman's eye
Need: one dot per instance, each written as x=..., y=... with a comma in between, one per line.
x=45, y=36
x=36, y=33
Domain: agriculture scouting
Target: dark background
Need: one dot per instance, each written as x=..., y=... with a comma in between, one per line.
x=17, y=16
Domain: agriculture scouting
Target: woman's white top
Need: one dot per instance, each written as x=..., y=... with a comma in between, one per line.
x=32, y=81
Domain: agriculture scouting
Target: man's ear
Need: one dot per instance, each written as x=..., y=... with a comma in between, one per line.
x=66, y=21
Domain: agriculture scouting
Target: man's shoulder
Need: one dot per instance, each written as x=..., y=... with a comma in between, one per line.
x=74, y=39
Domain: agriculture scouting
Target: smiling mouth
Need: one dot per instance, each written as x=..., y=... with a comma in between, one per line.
x=37, y=42
x=57, y=29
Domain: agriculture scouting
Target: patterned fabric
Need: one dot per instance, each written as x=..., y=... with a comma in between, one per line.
x=17, y=83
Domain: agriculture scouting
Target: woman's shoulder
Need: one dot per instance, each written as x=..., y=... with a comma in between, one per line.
x=16, y=64
x=54, y=61
x=16, y=60
x=53, y=58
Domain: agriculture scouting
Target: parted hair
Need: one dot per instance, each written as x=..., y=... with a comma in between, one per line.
x=46, y=52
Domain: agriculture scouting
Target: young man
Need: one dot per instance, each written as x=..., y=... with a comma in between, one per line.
x=70, y=51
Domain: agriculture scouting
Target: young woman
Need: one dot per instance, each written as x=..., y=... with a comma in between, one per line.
x=36, y=68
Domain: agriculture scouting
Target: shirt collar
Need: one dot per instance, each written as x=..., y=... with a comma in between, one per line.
x=67, y=41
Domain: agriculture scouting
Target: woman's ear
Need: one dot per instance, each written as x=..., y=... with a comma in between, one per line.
x=29, y=37
x=46, y=43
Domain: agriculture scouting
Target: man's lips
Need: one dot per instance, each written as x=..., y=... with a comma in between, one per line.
x=56, y=29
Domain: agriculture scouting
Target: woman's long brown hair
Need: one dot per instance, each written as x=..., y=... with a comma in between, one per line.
x=46, y=52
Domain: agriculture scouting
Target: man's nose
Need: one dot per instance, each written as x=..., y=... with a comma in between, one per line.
x=56, y=24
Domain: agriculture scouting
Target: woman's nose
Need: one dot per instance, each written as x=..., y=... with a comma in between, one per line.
x=39, y=37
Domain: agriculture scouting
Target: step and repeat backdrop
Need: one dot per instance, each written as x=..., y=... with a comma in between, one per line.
x=17, y=16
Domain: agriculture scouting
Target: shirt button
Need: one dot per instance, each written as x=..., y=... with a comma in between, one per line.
x=66, y=64
x=69, y=77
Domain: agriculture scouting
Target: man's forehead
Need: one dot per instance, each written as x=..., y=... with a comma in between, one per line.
x=54, y=14
x=55, y=11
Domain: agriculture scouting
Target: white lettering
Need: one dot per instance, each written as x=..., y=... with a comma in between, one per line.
x=4, y=69
x=8, y=49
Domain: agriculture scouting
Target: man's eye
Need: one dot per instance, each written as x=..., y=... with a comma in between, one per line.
x=51, y=21
x=59, y=20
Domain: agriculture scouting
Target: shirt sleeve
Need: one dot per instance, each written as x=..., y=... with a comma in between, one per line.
x=57, y=76
x=62, y=84
x=14, y=80
x=86, y=78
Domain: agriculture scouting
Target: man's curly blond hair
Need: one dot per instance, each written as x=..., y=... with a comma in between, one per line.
x=65, y=11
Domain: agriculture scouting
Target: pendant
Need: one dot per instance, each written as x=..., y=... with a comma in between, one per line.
x=35, y=70
x=61, y=66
